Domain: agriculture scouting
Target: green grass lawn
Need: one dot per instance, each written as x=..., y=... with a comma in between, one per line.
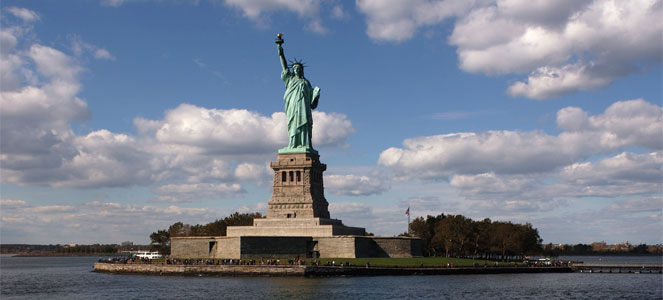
x=413, y=262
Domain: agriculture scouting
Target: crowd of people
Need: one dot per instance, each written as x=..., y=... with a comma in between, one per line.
x=300, y=261
x=546, y=263
x=125, y=260
x=248, y=262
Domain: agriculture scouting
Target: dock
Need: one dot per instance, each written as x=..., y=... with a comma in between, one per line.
x=618, y=268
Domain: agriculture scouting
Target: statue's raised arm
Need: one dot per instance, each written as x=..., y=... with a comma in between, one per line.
x=279, y=46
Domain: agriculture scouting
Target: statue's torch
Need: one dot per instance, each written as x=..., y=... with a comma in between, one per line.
x=279, y=40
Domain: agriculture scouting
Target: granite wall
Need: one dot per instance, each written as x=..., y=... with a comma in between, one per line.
x=336, y=246
x=191, y=246
x=276, y=247
x=249, y=247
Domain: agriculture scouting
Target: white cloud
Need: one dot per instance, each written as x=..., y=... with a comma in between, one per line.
x=23, y=13
x=257, y=10
x=114, y=3
x=338, y=12
x=330, y=129
x=623, y=124
x=489, y=183
x=255, y=172
x=353, y=185
x=239, y=131
x=104, y=158
x=625, y=174
x=103, y=54
x=580, y=46
x=634, y=220
x=191, y=192
x=191, y=143
x=637, y=205
x=550, y=82
x=47, y=209
x=10, y=204
x=534, y=171
x=35, y=119
x=437, y=157
x=347, y=208
x=222, y=131
x=260, y=207
x=94, y=222
x=565, y=46
x=394, y=20
x=628, y=170
x=422, y=205
x=80, y=47
x=379, y=219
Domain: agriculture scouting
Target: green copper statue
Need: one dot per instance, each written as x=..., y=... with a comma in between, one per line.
x=299, y=99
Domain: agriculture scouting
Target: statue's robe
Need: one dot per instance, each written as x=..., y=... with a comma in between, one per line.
x=299, y=99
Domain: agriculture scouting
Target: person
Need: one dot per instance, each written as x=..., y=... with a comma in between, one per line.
x=299, y=98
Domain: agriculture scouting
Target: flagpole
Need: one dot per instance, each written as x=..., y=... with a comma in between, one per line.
x=407, y=212
x=408, y=223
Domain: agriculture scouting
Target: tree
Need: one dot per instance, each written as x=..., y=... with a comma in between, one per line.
x=178, y=229
x=480, y=236
x=425, y=230
x=161, y=241
x=245, y=219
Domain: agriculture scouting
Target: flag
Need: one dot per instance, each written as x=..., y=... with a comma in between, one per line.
x=407, y=212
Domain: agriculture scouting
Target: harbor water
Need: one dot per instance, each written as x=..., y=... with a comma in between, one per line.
x=72, y=278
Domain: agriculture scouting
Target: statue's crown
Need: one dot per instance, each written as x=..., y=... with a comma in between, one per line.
x=294, y=61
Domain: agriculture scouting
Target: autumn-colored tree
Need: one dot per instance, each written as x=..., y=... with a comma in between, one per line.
x=456, y=235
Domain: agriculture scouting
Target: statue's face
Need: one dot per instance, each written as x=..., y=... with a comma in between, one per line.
x=298, y=69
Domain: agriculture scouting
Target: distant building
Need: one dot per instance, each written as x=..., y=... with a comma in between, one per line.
x=127, y=244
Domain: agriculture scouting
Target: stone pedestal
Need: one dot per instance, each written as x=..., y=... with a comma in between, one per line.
x=297, y=224
x=311, y=227
x=298, y=187
x=298, y=206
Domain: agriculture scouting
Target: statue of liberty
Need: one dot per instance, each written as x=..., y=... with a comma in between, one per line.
x=299, y=99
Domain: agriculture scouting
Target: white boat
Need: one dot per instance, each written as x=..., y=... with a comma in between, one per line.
x=148, y=255
x=143, y=254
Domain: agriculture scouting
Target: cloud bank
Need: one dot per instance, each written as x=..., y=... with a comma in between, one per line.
x=564, y=46
x=534, y=171
x=92, y=222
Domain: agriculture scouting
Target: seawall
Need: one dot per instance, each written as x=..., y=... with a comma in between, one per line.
x=228, y=270
x=300, y=270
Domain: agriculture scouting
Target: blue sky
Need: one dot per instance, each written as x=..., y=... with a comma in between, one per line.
x=119, y=118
